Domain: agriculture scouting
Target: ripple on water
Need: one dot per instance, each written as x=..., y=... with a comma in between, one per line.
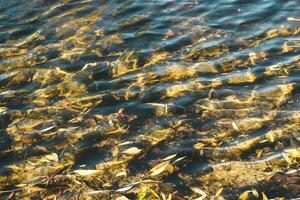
x=149, y=100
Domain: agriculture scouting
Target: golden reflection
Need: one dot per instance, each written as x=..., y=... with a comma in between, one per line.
x=88, y=111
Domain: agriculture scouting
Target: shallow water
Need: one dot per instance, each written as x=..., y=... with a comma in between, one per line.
x=149, y=99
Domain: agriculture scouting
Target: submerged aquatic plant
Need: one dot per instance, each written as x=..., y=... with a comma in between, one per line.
x=167, y=100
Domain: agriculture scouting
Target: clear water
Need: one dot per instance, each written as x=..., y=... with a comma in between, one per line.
x=119, y=86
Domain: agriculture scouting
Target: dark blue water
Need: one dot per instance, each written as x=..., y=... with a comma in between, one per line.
x=158, y=99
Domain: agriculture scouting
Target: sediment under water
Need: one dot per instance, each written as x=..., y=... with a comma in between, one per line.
x=149, y=99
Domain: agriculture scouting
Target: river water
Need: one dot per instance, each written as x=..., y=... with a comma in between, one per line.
x=157, y=99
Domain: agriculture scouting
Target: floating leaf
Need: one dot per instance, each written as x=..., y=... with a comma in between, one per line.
x=158, y=169
x=83, y=172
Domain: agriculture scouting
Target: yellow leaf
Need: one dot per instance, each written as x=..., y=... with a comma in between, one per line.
x=142, y=194
x=244, y=196
x=158, y=169
x=199, y=191
x=170, y=157
x=52, y=157
x=255, y=193
x=199, y=145
x=35, y=189
x=234, y=125
x=154, y=193
x=125, y=143
x=259, y=153
x=219, y=192
x=83, y=172
x=163, y=196
x=121, y=174
x=179, y=159
x=264, y=197
x=170, y=168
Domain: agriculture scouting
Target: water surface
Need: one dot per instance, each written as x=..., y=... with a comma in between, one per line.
x=158, y=99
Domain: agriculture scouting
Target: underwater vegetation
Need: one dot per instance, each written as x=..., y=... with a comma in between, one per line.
x=146, y=100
